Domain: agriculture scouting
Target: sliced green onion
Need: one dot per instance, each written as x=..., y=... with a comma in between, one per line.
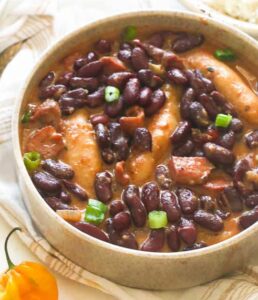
x=26, y=117
x=129, y=33
x=157, y=219
x=96, y=203
x=31, y=160
x=223, y=120
x=111, y=93
x=94, y=215
x=225, y=54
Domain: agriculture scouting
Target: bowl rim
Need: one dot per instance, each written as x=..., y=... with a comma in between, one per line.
x=203, y=8
x=230, y=242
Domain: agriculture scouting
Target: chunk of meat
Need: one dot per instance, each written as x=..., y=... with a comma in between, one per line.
x=140, y=167
x=217, y=184
x=227, y=82
x=189, y=170
x=46, y=141
x=112, y=65
x=82, y=152
x=48, y=113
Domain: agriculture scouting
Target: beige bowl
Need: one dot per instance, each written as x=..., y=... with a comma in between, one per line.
x=125, y=266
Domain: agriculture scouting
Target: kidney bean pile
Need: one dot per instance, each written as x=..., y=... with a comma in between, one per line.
x=110, y=103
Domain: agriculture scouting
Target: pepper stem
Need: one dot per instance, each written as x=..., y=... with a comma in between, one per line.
x=10, y=263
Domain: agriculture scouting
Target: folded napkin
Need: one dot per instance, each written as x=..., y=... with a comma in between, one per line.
x=36, y=24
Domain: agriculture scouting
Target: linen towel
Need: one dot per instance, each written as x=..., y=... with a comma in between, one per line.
x=36, y=24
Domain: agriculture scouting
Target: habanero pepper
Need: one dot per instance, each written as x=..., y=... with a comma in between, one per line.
x=27, y=281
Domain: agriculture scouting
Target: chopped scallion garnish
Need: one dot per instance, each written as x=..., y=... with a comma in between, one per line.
x=129, y=33
x=98, y=204
x=26, y=117
x=157, y=219
x=31, y=160
x=223, y=120
x=224, y=54
x=94, y=215
x=111, y=93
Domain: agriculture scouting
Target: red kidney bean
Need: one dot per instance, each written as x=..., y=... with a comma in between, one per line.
x=122, y=239
x=198, y=114
x=227, y=107
x=177, y=76
x=187, y=42
x=218, y=154
x=125, y=55
x=196, y=246
x=65, y=197
x=207, y=203
x=187, y=98
x=91, y=69
x=72, y=100
x=149, y=79
x=99, y=119
x=197, y=81
x=58, y=169
x=208, y=220
x=227, y=140
x=248, y=218
x=181, y=133
x=139, y=59
x=150, y=196
x=91, y=230
x=198, y=153
x=119, y=141
x=155, y=241
x=156, y=39
x=187, y=200
x=46, y=183
x=49, y=79
x=185, y=149
x=251, y=139
x=239, y=170
x=56, y=204
x=76, y=189
x=236, y=125
x=157, y=100
x=131, y=197
x=65, y=78
x=121, y=221
x=103, y=186
x=131, y=91
x=142, y=139
x=108, y=155
x=252, y=200
x=162, y=177
x=116, y=206
x=102, y=136
x=52, y=91
x=169, y=203
x=126, y=46
x=145, y=96
x=231, y=195
x=173, y=238
x=115, y=108
x=187, y=231
x=171, y=60
x=90, y=83
x=96, y=98
x=119, y=79
x=103, y=46
x=90, y=57
x=209, y=104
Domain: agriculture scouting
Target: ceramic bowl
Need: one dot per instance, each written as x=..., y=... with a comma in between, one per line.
x=130, y=267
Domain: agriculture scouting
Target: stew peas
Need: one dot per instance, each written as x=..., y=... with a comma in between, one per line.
x=147, y=141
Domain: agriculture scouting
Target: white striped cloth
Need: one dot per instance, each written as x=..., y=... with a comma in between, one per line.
x=38, y=22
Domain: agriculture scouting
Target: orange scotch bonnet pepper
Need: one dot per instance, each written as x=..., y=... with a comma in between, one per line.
x=27, y=281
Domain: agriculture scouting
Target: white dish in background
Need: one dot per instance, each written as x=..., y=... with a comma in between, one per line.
x=201, y=7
